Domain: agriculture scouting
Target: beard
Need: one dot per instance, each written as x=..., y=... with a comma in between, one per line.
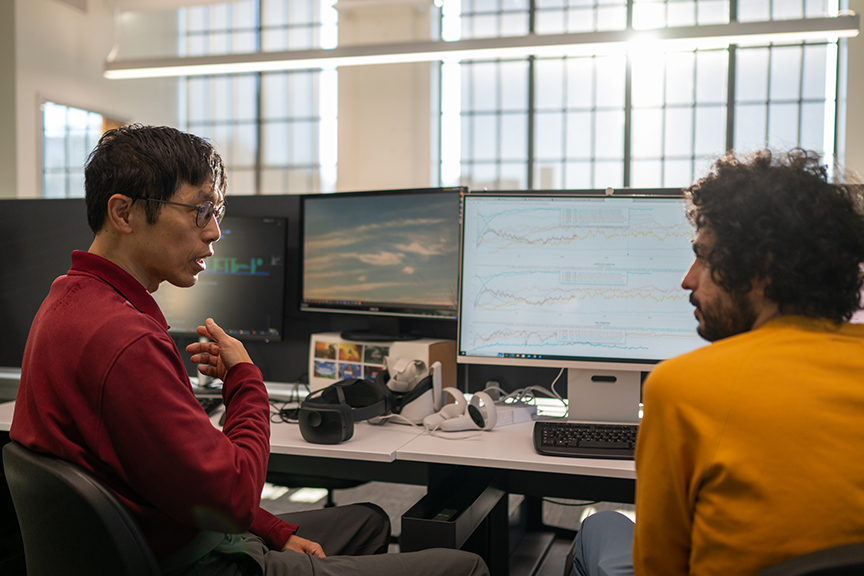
x=724, y=317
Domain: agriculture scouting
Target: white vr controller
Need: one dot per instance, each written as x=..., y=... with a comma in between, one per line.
x=479, y=414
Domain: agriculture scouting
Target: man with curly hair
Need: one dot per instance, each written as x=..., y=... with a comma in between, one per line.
x=749, y=452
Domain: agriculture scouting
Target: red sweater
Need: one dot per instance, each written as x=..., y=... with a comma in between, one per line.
x=103, y=385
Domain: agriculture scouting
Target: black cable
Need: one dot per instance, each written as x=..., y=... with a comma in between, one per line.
x=574, y=504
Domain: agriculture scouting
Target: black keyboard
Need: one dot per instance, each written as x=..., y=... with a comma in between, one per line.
x=585, y=440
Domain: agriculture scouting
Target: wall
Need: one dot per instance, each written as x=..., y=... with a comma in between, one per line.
x=384, y=110
x=59, y=55
x=8, y=157
x=854, y=145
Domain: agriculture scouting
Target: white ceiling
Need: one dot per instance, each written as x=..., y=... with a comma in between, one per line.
x=140, y=5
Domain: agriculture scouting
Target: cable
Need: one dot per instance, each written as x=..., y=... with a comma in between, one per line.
x=433, y=432
x=527, y=395
x=281, y=412
x=573, y=504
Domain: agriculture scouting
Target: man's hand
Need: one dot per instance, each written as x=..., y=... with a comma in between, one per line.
x=218, y=357
x=298, y=544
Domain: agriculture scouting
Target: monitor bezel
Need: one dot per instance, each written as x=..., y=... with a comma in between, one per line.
x=595, y=364
x=375, y=309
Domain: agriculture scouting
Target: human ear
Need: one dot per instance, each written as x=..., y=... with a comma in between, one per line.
x=759, y=285
x=119, y=213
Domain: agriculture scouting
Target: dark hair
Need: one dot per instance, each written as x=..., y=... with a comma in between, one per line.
x=777, y=217
x=148, y=162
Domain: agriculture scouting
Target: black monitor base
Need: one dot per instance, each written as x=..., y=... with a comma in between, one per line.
x=370, y=336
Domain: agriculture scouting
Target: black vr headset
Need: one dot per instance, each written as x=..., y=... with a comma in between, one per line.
x=327, y=416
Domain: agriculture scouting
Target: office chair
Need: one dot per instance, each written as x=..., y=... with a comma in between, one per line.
x=845, y=560
x=70, y=523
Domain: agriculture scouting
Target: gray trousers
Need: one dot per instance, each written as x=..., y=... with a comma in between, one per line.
x=604, y=546
x=354, y=538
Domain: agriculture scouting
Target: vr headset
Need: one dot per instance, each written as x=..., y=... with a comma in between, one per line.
x=327, y=415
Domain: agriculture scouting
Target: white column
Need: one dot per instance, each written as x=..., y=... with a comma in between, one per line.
x=8, y=156
x=854, y=160
x=384, y=110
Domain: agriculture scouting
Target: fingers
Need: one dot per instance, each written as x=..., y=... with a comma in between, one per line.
x=209, y=356
x=210, y=330
x=207, y=370
x=223, y=352
x=201, y=350
x=304, y=546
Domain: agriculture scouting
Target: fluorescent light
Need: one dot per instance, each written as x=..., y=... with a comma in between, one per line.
x=683, y=37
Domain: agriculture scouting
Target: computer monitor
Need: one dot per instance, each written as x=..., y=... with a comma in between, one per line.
x=37, y=237
x=586, y=282
x=243, y=287
x=381, y=253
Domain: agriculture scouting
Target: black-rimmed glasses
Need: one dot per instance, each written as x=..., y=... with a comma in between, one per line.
x=203, y=212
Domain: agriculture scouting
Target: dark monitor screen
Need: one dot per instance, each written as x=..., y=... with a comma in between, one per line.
x=37, y=237
x=393, y=252
x=243, y=287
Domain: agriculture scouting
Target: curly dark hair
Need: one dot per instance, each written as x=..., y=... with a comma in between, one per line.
x=776, y=216
x=147, y=162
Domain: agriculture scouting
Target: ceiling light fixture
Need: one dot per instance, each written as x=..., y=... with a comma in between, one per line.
x=684, y=37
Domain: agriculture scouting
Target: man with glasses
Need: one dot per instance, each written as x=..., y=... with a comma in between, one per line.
x=104, y=386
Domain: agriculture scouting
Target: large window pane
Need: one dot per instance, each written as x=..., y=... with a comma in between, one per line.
x=785, y=97
x=68, y=136
x=569, y=16
x=268, y=126
x=750, y=126
x=659, y=117
x=649, y=14
x=709, y=131
x=549, y=140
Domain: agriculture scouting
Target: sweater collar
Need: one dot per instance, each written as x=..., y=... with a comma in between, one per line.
x=813, y=324
x=123, y=282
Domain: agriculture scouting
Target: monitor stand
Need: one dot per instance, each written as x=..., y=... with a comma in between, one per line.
x=604, y=395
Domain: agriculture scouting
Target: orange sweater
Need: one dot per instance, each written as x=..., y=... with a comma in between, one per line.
x=751, y=451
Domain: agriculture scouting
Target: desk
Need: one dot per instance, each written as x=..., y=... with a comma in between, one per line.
x=404, y=454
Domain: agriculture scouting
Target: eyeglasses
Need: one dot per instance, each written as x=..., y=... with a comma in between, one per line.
x=203, y=212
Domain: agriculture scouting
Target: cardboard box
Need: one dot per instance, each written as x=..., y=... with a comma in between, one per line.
x=332, y=358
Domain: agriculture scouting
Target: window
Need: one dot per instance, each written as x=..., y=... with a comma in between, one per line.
x=276, y=131
x=645, y=118
x=68, y=136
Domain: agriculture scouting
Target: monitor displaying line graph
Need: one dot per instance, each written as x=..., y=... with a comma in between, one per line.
x=559, y=277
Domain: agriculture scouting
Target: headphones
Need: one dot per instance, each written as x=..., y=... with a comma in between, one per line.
x=479, y=414
x=327, y=415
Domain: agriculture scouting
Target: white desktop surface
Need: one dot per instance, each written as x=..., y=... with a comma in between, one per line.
x=6, y=410
x=506, y=447
x=369, y=442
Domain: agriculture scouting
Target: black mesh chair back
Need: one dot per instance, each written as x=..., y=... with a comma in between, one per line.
x=70, y=523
